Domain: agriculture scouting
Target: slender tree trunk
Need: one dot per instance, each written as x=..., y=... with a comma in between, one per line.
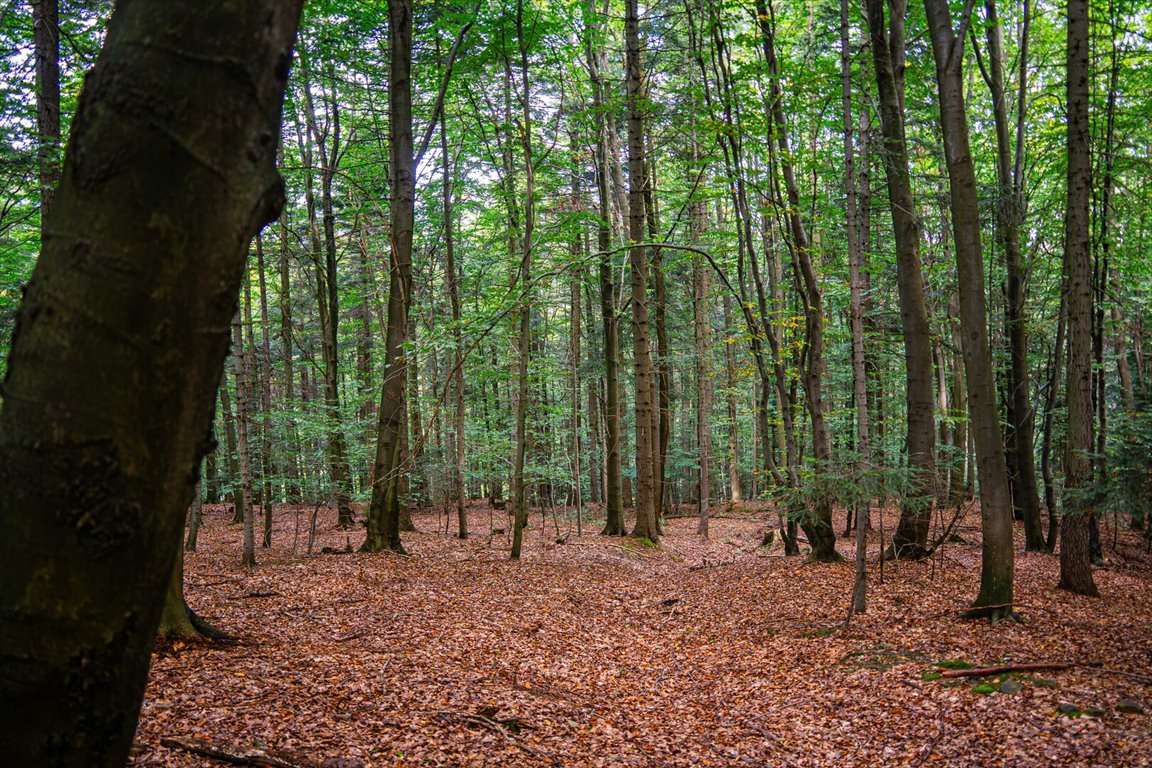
x=578, y=248
x=1050, y=404
x=243, y=404
x=859, y=379
x=288, y=350
x=996, y=576
x=818, y=523
x=384, y=512
x=46, y=36
x=233, y=453
x=524, y=339
x=195, y=517
x=702, y=327
x=887, y=43
x=266, y=467
x=646, y=438
x=735, y=491
x=456, y=378
x=1075, y=558
x=1020, y=447
x=327, y=296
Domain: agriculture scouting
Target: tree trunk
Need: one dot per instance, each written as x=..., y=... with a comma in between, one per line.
x=1050, y=404
x=327, y=295
x=702, y=328
x=46, y=35
x=288, y=345
x=384, y=512
x=1020, y=447
x=646, y=439
x=243, y=405
x=524, y=287
x=265, y=397
x=96, y=471
x=1075, y=559
x=887, y=42
x=456, y=377
x=195, y=517
x=735, y=491
x=233, y=452
x=996, y=575
x=859, y=379
x=818, y=522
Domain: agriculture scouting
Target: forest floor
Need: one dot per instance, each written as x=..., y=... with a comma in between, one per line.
x=605, y=652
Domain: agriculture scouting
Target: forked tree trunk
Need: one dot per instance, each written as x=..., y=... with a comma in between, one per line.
x=817, y=524
x=596, y=55
x=96, y=471
x=1020, y=447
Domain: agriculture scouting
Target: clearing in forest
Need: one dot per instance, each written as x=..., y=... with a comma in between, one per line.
x=605, y=652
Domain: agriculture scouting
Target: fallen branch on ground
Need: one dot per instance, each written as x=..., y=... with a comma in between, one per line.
x=486, y=719
x=256, y=758
x=1005, y=669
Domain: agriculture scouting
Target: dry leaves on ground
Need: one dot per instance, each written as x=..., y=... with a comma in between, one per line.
x=606, y=652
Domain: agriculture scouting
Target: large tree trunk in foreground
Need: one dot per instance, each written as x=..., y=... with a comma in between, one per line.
x=137, y=281
x=995, y=597
x=1075, y=559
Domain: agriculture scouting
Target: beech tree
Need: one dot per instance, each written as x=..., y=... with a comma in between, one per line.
x=119, y=345
x=996, y=574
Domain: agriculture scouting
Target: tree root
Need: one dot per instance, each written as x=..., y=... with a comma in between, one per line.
x=994, y=613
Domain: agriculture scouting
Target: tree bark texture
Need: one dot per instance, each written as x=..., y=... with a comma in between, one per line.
x=1075, y=558
x=1020, y=445
x=384, y=512
x=911, y=536
x=46, y=36
x=646, y=438
x=996, y=575
x=117, y=352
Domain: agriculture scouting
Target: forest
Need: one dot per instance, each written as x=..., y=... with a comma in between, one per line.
x=722, y=382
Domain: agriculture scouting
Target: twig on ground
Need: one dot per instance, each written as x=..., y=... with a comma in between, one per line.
x=257, y=758
x=1005, y=669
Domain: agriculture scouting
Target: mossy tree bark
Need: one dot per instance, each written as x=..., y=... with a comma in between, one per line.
x=117, y=352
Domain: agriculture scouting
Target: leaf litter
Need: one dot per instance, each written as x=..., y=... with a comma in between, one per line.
x=605, y=652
